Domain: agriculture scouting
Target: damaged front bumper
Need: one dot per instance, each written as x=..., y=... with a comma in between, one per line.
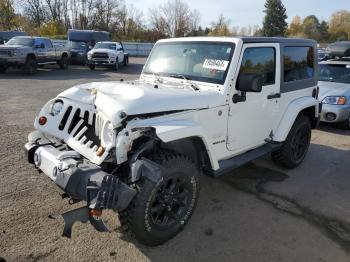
x=79, y=179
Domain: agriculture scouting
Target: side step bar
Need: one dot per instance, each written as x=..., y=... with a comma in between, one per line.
x=230, y=164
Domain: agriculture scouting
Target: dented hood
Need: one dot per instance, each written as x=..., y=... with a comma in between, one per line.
x=137, y=98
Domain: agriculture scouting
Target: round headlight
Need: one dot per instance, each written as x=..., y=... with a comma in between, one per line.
x=56, y=108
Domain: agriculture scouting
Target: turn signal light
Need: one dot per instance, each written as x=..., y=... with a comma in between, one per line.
x=342, y=100
x=42, y=120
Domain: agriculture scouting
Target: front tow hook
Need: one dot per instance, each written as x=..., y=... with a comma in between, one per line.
x=83, y=214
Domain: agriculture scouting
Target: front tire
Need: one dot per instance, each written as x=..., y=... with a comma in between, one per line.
x=116, y=66
x=294, y=149
x=92, y=67
x=160, y=211
x=64, y=62
x=126, y=61
x=31, y=66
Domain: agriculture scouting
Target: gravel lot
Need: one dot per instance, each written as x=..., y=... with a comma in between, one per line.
x=258, y=213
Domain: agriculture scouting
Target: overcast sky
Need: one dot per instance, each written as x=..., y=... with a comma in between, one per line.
x=250, y=12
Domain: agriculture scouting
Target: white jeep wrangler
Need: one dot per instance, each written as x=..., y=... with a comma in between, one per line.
x=201, y=105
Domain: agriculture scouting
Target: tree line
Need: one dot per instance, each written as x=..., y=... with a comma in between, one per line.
x=173, y=18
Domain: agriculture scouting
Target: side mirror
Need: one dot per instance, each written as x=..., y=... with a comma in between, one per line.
x=249, y=83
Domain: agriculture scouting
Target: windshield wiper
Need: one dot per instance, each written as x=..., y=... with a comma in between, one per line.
x=188, y=81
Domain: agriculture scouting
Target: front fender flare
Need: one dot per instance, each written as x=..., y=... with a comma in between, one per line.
x=172, y=130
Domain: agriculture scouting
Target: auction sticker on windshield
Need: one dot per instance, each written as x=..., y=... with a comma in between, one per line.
x=216, y=64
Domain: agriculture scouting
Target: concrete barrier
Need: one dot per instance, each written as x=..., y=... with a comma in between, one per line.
x=138, y=49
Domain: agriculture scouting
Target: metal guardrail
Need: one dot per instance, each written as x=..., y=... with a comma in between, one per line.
x=138, y=49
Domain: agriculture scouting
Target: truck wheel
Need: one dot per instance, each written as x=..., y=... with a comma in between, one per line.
x=116, y=67
x=64, y=62
x=92, y=67
x=160, y=211
x=30, y=66
x=346, y=124
x=294, y=149
x=3, y=69
x=126, y=61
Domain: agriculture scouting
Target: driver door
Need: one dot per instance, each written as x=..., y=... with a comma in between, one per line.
x=252, y=122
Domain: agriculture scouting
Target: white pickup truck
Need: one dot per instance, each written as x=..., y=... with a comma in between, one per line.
x=107, y=54
x=201, y=106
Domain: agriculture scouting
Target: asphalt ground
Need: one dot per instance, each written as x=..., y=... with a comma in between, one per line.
x=257, y=213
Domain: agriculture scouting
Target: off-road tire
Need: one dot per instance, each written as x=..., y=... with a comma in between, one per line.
x=294, y=149
x=3, y=69
x=31, y=66
x=64, y=62
x=138, y=219
x=126, y=61
x=92, y=67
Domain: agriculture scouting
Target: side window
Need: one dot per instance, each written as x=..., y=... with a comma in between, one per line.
x=298, y=63
x=39, y=42
x=48, y=43
x=261, y=61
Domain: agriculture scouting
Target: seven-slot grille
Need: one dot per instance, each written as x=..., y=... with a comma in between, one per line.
x=83, y=126
x=100, y=55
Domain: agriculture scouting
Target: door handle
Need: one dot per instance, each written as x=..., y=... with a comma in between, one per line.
x=273, y=96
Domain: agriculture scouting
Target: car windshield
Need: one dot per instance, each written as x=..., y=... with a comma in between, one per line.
x=24, y=41
x=199, y=61
x=78, y=45
x=106, y=46
x=335, y=73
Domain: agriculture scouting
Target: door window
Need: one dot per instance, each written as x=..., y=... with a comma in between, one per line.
x=48, y=43
x=261, y=61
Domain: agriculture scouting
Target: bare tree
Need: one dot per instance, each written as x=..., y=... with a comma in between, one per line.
x=34, y=10
x=174, y=18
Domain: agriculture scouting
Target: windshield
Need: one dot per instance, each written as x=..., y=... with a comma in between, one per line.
x=335, y=73
x=106, y=46
x=25, y=41
x=200, y=61
x=79, y=45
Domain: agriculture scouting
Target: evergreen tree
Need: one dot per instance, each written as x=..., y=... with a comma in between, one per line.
x=275, y=19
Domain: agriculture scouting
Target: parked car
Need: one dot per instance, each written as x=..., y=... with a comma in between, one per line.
x=202, y=105
x=82, y=41
x=334, y=83
x=7, y=35
x=110, y=54
x=30, y=52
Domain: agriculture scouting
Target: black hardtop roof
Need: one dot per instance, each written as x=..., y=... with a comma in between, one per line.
x=280, y=40
x=88, y=35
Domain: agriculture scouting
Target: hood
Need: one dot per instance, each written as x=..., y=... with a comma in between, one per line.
x=137, y=98
x=13, y=46
x=102, y=50
x=333, y=89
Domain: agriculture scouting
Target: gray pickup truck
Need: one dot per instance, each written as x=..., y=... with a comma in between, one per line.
x=30, y=52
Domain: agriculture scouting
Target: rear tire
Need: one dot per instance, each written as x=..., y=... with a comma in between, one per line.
x=160, y=211
x=31, y=66
x=64, y=62
x=294, y=149
x=3, y=69
x=92, y=67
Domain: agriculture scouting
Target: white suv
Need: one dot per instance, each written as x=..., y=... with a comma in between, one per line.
x=110, y=54
x=201, y=106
